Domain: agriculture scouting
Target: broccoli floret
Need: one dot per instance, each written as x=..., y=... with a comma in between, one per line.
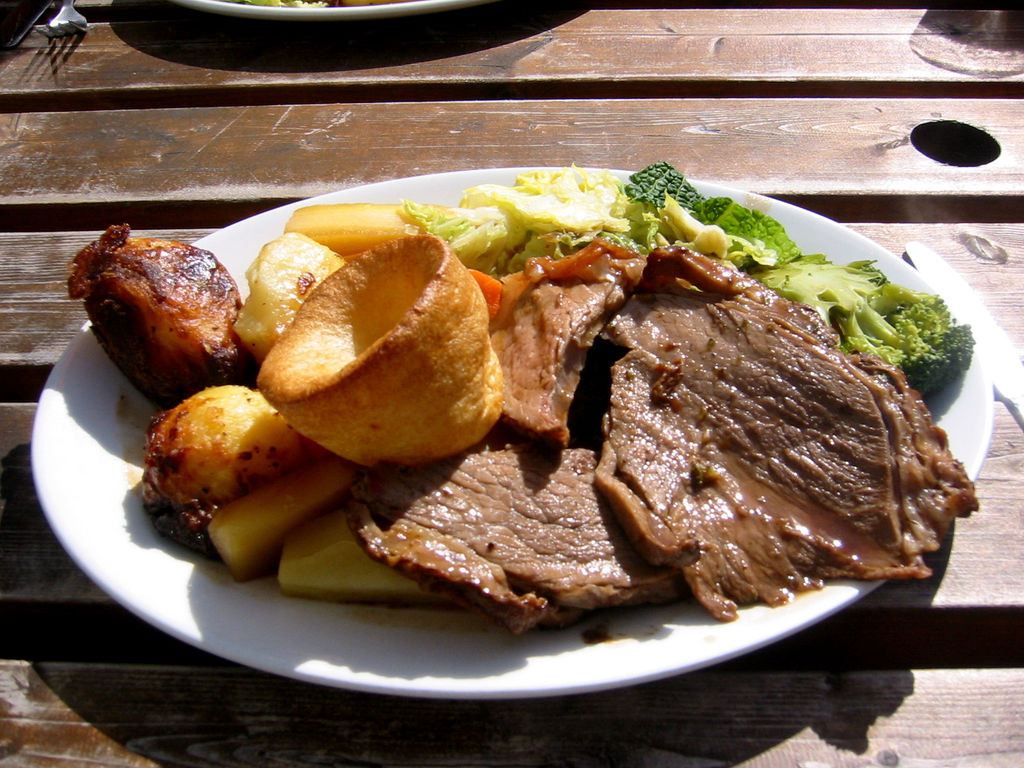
x=651, y=184
x=944, y=349
x=906, y=328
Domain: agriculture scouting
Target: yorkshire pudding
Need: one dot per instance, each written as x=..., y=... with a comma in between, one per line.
x=389, y=358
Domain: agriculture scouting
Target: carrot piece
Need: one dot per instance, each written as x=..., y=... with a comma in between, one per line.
x=491, y=288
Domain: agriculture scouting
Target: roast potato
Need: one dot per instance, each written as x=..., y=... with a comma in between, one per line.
x=350, y=228
x=321, y=560
x=212, y=448
x=249, y=532
x=163, y=311
x=285, y=271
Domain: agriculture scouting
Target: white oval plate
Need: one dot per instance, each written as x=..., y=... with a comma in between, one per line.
x=339, y=13
x=86, y=456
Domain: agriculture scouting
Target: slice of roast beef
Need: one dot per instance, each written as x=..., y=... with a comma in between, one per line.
x=735, y=420
x=550, y=314
x=677, y=269
x=520, y=535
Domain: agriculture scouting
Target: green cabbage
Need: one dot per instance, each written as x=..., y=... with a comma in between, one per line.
x=547, y=212
x=554, y=212
x=757, y=238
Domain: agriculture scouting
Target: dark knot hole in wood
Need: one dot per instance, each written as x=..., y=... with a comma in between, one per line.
x=954, y=143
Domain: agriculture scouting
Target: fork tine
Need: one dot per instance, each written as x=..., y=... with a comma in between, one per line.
x=67, y=21
x=60, y=30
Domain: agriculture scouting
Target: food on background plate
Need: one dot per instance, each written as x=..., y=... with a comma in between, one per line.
x=390, y=358
x=317, y=3
x=641, y=368
x=163, y=311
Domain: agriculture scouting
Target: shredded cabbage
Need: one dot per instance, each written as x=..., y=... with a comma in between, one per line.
x=547, y=212
x=554, y=212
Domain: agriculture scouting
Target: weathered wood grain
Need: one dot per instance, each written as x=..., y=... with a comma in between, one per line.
x=848, y=158
x=33, y=565
x=502, y=50
x=151, y=715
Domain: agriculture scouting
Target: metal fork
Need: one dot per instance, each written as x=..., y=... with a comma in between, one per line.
x=68, y=21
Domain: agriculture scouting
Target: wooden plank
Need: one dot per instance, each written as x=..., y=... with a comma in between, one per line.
x=128, y=715
x=38, y=729
x=851, y=159
x=33, y=566
x=497, y=51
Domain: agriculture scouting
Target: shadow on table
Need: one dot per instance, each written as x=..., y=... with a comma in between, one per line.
x=233, y=716
x=211, y=41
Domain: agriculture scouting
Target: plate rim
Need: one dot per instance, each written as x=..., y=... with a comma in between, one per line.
x=392, y=10
x=836, y=596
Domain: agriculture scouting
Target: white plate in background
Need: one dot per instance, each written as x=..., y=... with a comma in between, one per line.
x=329, y=13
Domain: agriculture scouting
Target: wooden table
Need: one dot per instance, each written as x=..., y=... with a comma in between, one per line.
x=180, y=123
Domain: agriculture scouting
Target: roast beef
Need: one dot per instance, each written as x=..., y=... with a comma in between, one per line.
x=550, y=314
x=520, y=535
x=735, y=420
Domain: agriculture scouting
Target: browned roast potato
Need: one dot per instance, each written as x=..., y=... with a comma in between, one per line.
x=209, y=450
x=163, y=311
